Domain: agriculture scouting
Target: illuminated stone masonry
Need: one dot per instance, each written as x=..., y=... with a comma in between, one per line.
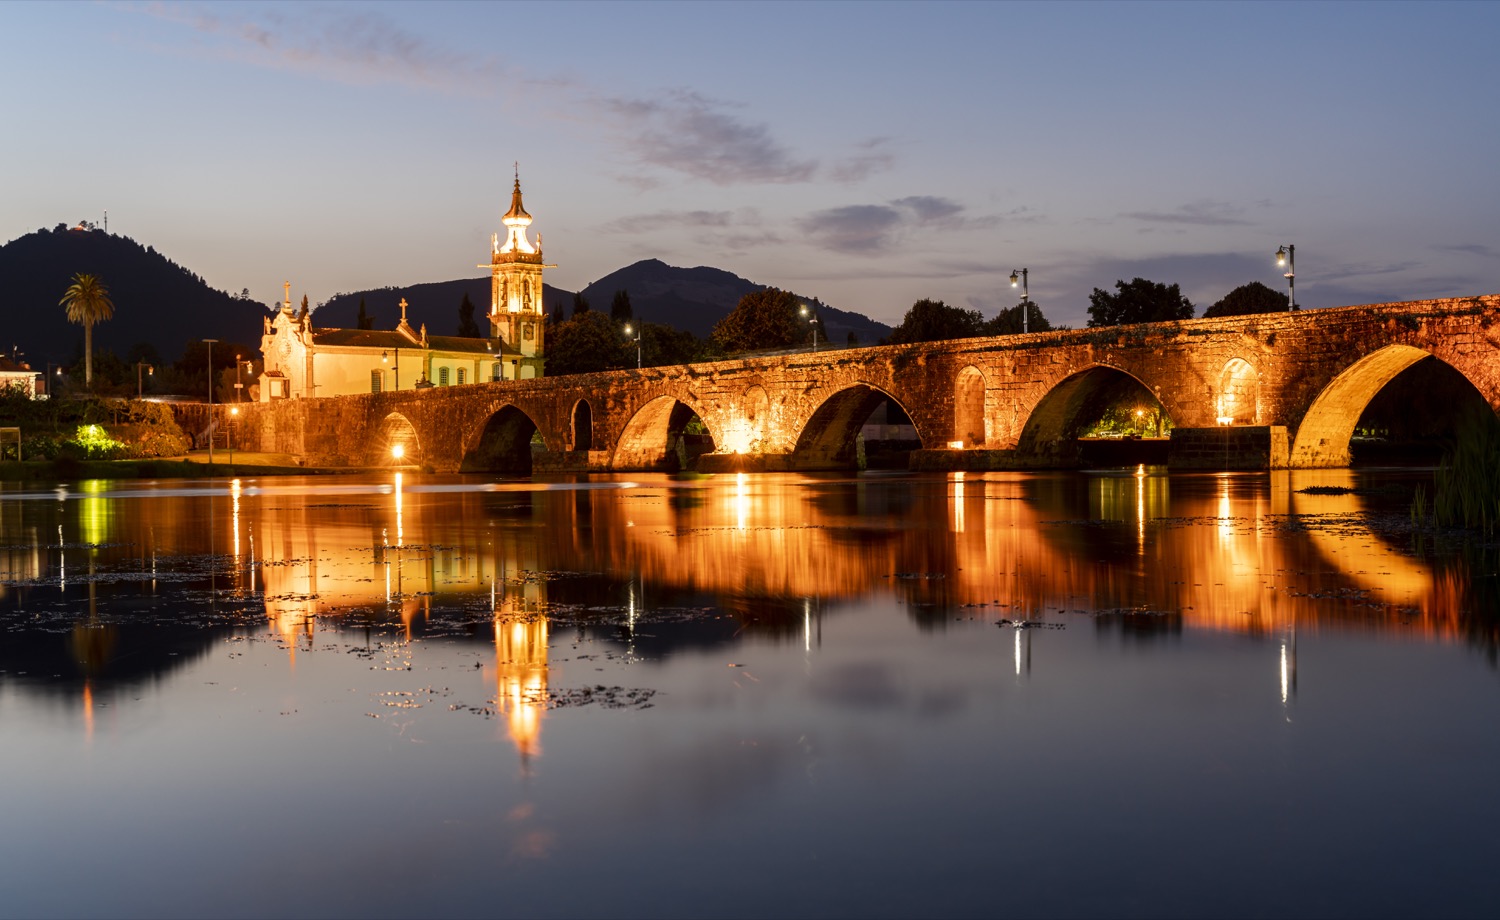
x=1296, y=384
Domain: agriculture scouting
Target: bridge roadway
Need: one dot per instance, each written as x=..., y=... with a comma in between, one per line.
x=1253, y=392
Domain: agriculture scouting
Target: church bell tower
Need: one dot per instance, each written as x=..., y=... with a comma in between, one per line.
x=517, y=315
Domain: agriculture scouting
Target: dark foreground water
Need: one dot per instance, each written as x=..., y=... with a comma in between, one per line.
x=992, y=694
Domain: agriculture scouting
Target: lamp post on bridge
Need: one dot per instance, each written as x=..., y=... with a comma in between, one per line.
x=210, y=344
x=1287, y=256
x=384, y=357
x=637, y=341
x=1021, y=275
x=812, y=320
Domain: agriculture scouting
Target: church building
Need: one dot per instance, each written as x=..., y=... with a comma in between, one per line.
x=302, y=361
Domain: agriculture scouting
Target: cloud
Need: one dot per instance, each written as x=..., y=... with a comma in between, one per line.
x=1202, y=213
x=355, y=47
x=929, y=207
x=865, y=229
x=724, y=231
x=861, y=166
x=680, y=131
x=1473, y=249
x=691, y=134
x=859, y=229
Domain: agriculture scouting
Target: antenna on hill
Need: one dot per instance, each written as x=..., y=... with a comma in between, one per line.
x=106, y=220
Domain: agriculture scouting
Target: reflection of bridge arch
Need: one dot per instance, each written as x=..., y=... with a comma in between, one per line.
x=503, y=445
x=397, y=444
x=828, y=438
x=1077, y=399
x=649, y=439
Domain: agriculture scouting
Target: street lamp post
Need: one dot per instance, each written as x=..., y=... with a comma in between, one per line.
x=140, y=388
x=210, y=344
x=384, y=357
x=812, y=320
x=239, y=386
x=1287, y=256
x=53, y=377
x=234, y=418
x=1020, y=275
x=637, y=340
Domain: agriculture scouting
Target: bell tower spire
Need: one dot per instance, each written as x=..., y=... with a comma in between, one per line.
x=517, y=315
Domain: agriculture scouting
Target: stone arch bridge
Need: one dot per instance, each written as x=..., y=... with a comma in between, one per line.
x=1251, y=392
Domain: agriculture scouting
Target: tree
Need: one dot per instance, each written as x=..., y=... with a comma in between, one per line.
x=302, y=314
x=585, y=344
x=619, y=309
x=763, y=320
x=1247, y=299
x=87, y=302
x=934, y=321
x=1008, y=321
x=467, y=328
x=365, y=320
x=580, y=304
x=1139, y=301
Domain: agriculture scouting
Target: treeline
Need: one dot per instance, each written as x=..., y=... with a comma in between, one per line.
x=143, y=371
x=773, y=320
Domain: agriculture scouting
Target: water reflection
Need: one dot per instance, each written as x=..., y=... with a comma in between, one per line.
x=1145, y=555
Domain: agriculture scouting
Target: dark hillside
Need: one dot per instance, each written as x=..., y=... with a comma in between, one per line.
x=695, y=299
x=157, y=301
x=434, y=303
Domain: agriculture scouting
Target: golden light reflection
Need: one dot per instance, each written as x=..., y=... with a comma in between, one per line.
x=958, y=502
x=520, y=674
x=741, y=500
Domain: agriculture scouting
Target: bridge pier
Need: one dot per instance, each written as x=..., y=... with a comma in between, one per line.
x=1230, y=447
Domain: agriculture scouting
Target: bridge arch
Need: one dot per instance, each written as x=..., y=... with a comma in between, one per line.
x=653, y=436
x=583, y=425
x=1238, y=401
x=1058, y=418
x=1323, y=435
x=397, y=444
x=970, y=423
x=503, y=444
x=827, y=441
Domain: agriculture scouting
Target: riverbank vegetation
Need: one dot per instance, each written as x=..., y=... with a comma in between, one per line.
x=1466, y=487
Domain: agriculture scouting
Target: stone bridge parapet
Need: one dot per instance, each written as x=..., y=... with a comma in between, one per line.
x=1021, y=397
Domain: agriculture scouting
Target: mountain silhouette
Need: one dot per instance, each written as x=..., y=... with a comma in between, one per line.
x=157, y=301
x=695, y=299
x=692, y=299
x=167, y=306
x=434, y=303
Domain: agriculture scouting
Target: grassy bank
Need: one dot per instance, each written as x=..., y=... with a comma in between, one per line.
x=169, y=468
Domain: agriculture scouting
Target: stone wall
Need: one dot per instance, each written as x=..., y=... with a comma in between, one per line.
x=1305, y=374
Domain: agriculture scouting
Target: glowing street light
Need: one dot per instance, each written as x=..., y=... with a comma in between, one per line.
x=1287, y=256
x=637, y=340
x=812, y=321
x=1019, y=275
x=398, y=451
x=139, y=385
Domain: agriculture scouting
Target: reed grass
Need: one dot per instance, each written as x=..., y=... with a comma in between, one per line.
x=1466, y=488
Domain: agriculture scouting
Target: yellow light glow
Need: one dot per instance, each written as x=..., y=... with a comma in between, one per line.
x=398, y=451
x=955, y=445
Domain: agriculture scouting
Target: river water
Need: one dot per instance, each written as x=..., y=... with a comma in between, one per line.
x=1097, y=694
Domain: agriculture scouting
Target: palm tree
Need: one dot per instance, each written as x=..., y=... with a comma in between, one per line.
x=87, y=302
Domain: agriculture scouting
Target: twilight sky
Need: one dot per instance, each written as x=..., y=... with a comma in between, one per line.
x=867, y=154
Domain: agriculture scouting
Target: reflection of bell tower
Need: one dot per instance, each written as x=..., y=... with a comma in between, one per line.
x=517, y=315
